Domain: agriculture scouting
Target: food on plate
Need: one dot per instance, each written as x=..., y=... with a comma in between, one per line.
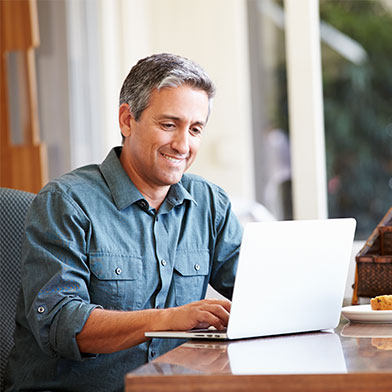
x=382, y=343
x=381, y=302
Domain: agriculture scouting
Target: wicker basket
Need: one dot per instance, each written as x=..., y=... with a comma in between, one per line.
x=373, y=275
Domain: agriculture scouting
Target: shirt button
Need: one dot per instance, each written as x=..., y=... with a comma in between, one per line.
x=41, y=309
x=157, y=307
x=197, y=267
x=118, y=271
x=163, y=262
x=143, y=204
x=153, y=353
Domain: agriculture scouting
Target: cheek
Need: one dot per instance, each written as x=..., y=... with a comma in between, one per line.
x=141, y=143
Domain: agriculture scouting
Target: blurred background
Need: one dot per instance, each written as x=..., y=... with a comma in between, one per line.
x=255, y=143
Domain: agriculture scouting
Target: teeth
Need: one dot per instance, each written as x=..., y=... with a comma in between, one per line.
x=171, y=159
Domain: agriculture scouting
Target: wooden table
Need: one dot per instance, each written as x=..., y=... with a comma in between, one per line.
x=353, y=357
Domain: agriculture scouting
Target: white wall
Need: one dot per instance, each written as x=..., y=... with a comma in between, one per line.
x=88, y=73
x=214, y=34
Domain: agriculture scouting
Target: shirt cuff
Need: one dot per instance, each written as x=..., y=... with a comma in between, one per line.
x=66, y=325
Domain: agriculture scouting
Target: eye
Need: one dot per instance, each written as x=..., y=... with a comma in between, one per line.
x=196, y=131
x=168, y=126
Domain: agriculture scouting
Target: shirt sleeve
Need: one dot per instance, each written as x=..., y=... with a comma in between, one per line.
x=55, y=274
x=227, y=247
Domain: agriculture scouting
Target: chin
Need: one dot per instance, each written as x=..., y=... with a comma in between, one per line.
x=172, y=180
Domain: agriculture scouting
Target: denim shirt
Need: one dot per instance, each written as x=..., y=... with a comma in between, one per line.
x=92, y=240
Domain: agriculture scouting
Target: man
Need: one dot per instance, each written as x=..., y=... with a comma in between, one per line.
x=114, y=250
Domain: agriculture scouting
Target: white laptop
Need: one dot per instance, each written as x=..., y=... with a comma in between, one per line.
x=291, y=278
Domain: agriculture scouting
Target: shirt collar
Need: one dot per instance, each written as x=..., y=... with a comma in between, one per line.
x=123, y=190
x=177, y=194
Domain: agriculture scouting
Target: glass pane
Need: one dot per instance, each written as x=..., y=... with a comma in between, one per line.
x=17, y=85
x=269, y=106
x=357, y=84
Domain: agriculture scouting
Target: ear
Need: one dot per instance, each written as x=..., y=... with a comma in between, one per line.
x=124, y=117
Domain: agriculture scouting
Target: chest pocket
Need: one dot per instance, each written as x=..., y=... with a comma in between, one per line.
x=191, y=272
x=116, y=281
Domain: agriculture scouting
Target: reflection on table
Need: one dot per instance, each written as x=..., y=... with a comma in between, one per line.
x=352, y=357
x=314, y=353
x=363, y=330
x=319, y=352
x=372, y=345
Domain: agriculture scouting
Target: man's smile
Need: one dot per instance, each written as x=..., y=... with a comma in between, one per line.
x=172, y=159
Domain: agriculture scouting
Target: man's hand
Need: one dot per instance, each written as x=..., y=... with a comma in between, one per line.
x=200, y=314
x=107, y=331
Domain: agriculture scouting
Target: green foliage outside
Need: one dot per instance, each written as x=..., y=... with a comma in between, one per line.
x=358, y=114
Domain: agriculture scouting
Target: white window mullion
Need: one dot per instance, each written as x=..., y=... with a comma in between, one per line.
x=306, y=109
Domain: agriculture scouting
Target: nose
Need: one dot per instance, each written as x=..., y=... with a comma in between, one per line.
x=180, y=141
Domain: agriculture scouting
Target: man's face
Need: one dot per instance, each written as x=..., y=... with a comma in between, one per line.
x=163, y=143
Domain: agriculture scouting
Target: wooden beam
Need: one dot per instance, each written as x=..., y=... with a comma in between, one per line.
x=21, y=166
x=19, y=24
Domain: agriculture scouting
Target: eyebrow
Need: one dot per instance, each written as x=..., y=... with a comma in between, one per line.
x=176, y=118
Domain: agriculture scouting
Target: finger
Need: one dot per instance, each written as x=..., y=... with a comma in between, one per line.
x=211, y=320
x=202, y=325
x=223, y=302
x=216, y=315
x=201, y=314
x=218, y=311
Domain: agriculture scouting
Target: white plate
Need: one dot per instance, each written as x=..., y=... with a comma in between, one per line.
x=365, y=314
x=367, y=330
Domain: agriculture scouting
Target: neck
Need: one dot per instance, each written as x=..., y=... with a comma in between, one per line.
x=155, y=195
x=155, y=201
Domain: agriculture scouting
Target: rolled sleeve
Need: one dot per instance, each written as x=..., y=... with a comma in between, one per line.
x=66, y=325
x=55, y=275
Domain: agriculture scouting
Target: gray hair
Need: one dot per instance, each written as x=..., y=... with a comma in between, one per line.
x=158, y=71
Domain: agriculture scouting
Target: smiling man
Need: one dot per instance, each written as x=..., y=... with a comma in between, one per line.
x=114, y=250
x=163, y=143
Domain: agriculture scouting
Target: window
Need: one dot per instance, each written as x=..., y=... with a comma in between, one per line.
x=357, y=85
x=269, y=107
x=357, y=93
